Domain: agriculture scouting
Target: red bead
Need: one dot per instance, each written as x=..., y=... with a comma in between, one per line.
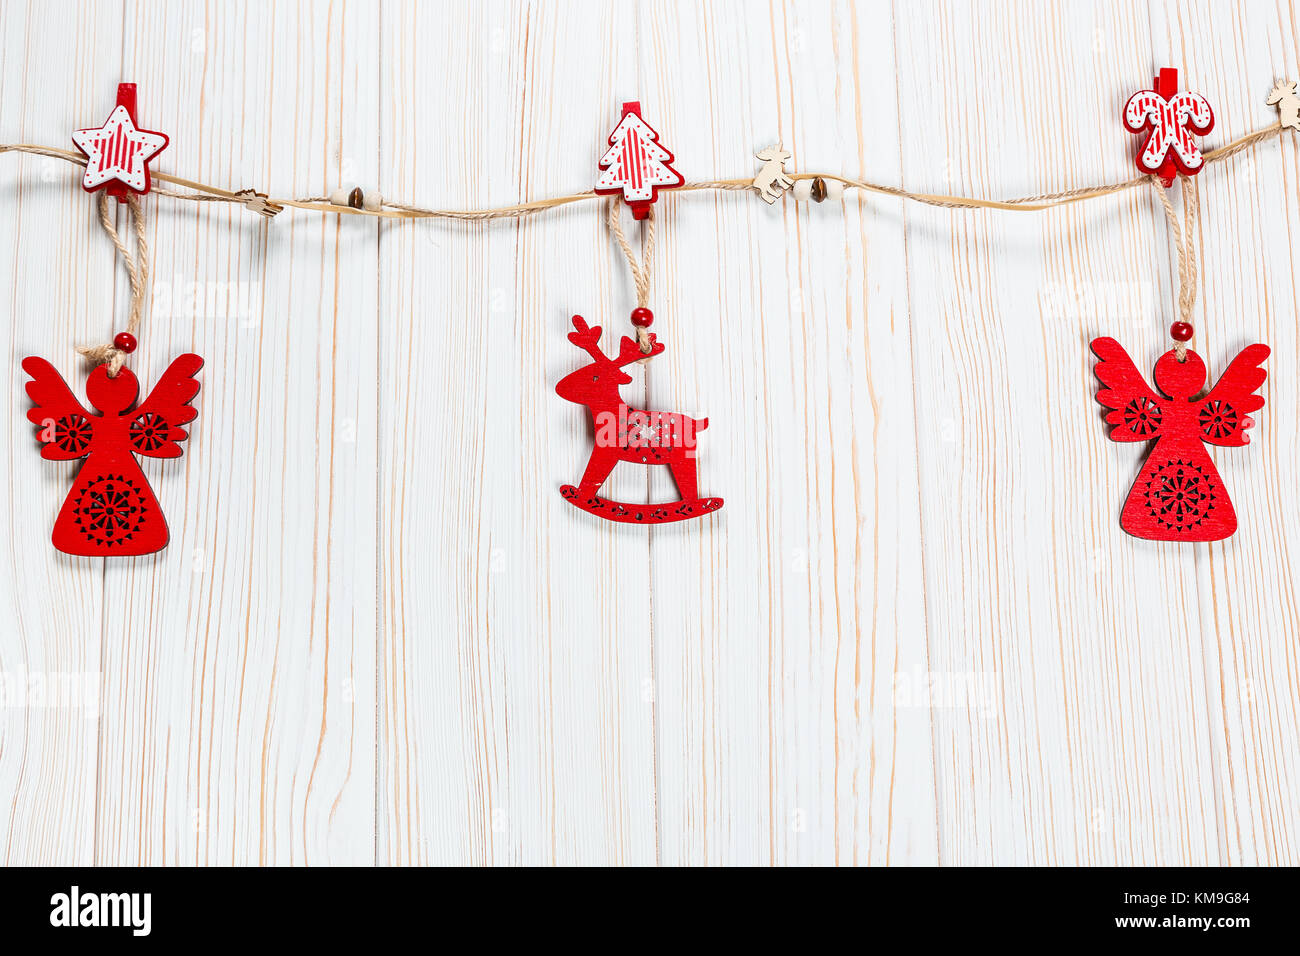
x=642, y=318
x=1181, y=331
x=124, y=342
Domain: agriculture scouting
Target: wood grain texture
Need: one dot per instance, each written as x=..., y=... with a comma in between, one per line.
x=59, y=276
x=915, y=634
x=242, y=663
x=1248, y=608
x=517, y=723
x=779, y=627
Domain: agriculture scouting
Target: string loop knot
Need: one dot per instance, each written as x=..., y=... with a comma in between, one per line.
x=640, y=270
x=137, y=267
x=1184, y=235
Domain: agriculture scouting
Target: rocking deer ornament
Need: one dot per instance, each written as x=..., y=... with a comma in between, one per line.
x=629, y=434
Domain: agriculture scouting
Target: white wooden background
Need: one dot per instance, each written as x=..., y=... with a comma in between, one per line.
x=380, y=635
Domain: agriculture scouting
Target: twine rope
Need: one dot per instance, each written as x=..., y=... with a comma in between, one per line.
x=640, y=270
x=1184, y=235
x=137, y=267
x=261, y=203
x=200, y=192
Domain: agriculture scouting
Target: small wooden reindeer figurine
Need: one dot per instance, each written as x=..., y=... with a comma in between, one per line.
x=1287, y=101
x=771, y=180
x=1178, y=495
x=111, y=510
x=628, y=434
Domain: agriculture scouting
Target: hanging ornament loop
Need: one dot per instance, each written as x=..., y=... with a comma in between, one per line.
x=1184, y=235
x=640, y=269
x=137, y=267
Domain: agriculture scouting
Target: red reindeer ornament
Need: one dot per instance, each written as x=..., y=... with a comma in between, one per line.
x=1178, y=495
x=111, y=510
x=629, y=434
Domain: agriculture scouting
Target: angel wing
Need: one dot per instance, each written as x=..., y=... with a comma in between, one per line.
x=66, y=427
x=1224, y=414
x=1136, y=411
x=155, y=424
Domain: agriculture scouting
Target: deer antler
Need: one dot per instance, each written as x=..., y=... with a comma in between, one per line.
x=587, y=338
x=1280, y=89
x=629, y=351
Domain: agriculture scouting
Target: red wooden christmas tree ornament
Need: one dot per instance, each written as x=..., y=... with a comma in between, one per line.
x=629, y=434
x=118, y=153
x=635, y=164
x=1170, y=117
x=1178, y=495
x=111, y=510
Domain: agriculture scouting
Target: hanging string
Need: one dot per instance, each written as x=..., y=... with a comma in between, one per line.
x=1184, y=235
x=640, y=270
x=137, y=267
x=269, y=206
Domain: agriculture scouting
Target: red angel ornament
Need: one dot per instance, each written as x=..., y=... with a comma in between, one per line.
x=1178, y=495
x=629, y=434
x=111, y=510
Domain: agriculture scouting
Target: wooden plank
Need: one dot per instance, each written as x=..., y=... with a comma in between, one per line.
x=784, y=624
x=1232, y=54
x=59, y=275
x=239, y=663
x=915, y=634
x=516, y=630
x=1085, y=738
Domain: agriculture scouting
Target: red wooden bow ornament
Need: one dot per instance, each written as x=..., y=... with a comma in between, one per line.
x=1170, y=117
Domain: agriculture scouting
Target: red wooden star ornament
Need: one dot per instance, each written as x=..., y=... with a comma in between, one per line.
x=635, y=164
x=1178, y=495
x=111, y=510
x=118, y=153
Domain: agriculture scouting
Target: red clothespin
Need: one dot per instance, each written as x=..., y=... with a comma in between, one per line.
x=1170, y=118
x=636, y=163
x=118, y=153
x=126, y=100
x=1166, y=85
